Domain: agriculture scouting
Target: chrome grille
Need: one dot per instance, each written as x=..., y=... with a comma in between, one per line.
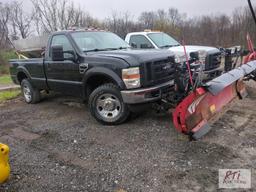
x=159, y=71
x=213, y=61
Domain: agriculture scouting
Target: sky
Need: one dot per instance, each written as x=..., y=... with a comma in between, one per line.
x=103, y=8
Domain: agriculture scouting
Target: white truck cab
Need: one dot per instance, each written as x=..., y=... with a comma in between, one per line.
x=148, y=39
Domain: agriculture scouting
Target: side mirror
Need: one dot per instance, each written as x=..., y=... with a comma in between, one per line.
x=69, y=55
x=134, y=45
x=57, y=53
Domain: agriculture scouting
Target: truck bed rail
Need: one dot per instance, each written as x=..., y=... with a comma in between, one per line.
x=31, y=47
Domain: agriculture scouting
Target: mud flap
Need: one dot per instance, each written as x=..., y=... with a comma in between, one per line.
x=206, y=104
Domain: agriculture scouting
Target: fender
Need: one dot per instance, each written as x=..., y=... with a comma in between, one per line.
x=23, y=70
x=105, y=72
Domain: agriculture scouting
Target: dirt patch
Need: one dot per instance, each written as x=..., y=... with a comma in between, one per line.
x=21, y=134
x=57, y=146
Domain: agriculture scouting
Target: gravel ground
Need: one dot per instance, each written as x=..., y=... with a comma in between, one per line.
x=57, y=146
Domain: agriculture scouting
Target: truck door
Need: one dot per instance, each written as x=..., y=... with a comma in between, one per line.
x=63, y=76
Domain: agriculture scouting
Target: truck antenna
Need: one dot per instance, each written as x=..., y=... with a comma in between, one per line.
x=252, y=10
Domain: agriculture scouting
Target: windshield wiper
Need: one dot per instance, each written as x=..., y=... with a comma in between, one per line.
x=95, y=50
x=166, y=46
x=123, y=47
x=105, y=49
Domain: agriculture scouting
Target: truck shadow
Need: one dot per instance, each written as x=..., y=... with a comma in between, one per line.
x=75, y=102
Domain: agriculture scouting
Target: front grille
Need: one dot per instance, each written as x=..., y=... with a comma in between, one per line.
x=213, y=61
x=159, y=71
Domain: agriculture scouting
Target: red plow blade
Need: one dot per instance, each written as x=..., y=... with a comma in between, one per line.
x=205, y=105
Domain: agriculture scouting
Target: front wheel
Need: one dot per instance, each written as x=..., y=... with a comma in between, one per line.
x=107, y=106
x=31, y=94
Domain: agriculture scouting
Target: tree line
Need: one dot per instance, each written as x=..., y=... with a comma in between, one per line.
x=51, y=15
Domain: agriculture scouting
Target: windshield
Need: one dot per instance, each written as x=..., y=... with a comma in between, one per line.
x=98, y=41
x=163, y=40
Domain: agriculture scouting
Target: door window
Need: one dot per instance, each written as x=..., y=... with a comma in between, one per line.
x=141, y=42
x=64, y=42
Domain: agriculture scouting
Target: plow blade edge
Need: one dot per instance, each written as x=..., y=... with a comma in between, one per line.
x=206, y=104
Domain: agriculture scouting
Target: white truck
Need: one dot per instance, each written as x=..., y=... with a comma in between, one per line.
x=210, y=57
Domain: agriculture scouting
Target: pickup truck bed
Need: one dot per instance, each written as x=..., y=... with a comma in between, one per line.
x=32, y=47
x=32, y=68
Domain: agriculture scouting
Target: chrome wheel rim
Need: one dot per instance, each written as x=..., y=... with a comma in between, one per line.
x=27, y=93
x=108, y=107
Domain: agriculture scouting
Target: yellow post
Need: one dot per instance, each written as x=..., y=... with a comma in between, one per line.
x=4, y=163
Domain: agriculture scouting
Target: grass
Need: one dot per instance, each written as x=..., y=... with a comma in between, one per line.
x=4, y=69
x=7, y=95
x=5, y=79
x=5, y=56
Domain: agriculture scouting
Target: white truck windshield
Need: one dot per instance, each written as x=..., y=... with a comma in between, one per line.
x=163, y=40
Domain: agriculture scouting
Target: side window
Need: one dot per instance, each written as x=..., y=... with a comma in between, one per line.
x=141, y=42
x=62, y=40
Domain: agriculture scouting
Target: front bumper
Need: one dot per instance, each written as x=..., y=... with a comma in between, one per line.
x=146, y=95
x=220, y=68
x=213, y=72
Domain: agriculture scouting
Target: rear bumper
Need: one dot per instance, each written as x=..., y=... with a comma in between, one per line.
x=145, y=95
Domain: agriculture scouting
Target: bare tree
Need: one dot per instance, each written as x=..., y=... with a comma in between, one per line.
x=46, y=13
x=21, y=21
x=147, y=20
x=53, y=15
x=85, y=20
x=121, y=23
x=68, y=15
x=112, y=22
x=5, y=12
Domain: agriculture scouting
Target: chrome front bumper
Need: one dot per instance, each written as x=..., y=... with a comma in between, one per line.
x=145, y=95
x=220, y=68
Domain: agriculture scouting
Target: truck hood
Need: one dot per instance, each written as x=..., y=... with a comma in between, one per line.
x=179, y=50
x=136, y=57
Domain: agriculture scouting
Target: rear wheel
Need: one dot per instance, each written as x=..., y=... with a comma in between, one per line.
x=31, y=94
x=107, y=106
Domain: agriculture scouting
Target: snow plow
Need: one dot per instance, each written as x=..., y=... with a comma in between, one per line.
x=206, y=102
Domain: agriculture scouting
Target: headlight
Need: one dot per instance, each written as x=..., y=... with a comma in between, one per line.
x=131, y=77
x=180, y=58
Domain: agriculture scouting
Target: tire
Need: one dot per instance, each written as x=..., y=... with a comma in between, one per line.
x=31, y=94
x=107, y=106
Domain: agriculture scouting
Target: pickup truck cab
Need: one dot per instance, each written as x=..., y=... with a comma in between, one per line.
x=210, y=57
x=99, y=67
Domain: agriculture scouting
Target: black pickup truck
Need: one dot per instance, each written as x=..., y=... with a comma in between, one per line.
x=99, y=67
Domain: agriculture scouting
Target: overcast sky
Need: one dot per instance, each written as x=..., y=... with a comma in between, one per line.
x=103, y=8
